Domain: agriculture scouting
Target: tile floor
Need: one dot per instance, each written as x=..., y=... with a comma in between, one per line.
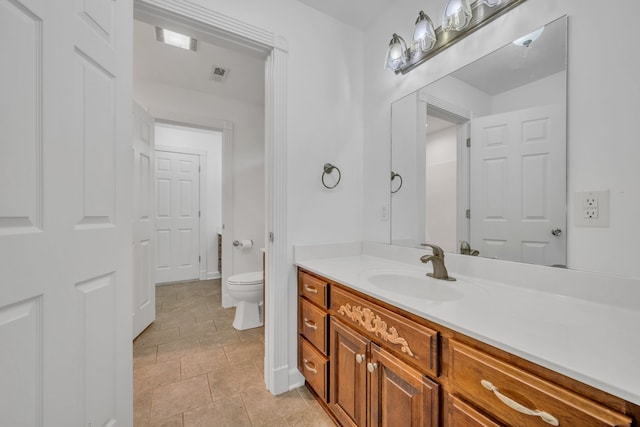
x=191, y=368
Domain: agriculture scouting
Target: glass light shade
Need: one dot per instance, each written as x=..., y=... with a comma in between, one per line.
x=424, y=35
x=396, y=54
x=529, y=38
x=492, y=3
x=457, y=15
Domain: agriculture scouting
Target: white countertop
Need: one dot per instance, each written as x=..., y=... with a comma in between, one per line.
x=592, y=342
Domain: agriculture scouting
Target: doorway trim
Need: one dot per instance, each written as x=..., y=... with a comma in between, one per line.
x=232, y=32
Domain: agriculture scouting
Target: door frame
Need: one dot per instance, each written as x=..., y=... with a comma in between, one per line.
x=278, y=374
x=202, y=205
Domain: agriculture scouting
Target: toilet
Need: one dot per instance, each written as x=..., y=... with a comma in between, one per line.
x=246, y=291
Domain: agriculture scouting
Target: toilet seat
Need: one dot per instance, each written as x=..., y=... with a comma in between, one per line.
x=252, y=278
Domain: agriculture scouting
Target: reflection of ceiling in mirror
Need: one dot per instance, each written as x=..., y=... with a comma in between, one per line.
x=513, y=66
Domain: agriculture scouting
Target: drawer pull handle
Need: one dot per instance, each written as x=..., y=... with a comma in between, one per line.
x=310, y=289
x=309, y=324
x=309, y=366
x=371, y=367
x=546, y=417
x=359, y=358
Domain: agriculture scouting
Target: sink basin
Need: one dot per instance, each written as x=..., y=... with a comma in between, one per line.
x=412, y=284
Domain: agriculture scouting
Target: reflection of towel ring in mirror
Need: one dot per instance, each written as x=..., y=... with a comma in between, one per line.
x=394, y=176
x=328, y=168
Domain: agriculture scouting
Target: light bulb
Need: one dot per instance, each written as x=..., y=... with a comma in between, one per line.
x=396, y=53
x=457, y=15
x=424, y=35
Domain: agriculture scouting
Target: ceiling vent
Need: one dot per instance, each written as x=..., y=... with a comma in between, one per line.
x=219, y=74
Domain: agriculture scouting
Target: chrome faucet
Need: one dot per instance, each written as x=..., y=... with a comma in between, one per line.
x=437, y=260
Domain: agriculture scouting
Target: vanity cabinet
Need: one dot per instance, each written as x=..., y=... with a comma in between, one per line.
x=372, y=364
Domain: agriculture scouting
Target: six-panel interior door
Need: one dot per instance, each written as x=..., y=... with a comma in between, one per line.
x=518, y=185
x=65, y=213
x=144, y=292
x=177, y=216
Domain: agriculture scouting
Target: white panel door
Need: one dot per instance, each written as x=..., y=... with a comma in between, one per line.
x=144, y=292
x=518, y=185
x=65, y=213
x=177, y=216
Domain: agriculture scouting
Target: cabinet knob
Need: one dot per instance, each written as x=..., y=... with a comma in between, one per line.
x=371, y=367
x=359, y=358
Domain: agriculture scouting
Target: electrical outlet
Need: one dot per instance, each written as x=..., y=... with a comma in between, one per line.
x=592, y=209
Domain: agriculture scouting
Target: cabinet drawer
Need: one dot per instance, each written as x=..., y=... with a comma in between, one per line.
x=498, y=387
x=313, y=366
x=312, y=288
x=313, y=325
x=459, y=414
x=406, y=339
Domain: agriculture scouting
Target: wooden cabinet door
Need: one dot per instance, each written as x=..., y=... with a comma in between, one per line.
x=348, y=396
x=399, y=394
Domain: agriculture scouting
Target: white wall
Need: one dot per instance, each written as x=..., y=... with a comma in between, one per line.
x=191, y=107
x=209, y=142
x=603, y=122
x=441, y=184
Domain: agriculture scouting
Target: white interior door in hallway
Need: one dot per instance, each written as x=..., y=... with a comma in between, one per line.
x=177, y=216
x=65, y=213
x=144, y=293
x=518, y=185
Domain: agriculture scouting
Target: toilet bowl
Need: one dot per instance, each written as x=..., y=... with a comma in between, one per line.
x=246, y=291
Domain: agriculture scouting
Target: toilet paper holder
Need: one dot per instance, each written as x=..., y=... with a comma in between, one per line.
x=243, y=243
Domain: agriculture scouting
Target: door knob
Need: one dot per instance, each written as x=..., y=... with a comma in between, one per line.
x=359, y=358
x=371, y=367
x=556, y=232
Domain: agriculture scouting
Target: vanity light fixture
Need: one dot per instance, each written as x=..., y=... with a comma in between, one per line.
x=460, y=18
x=176, y=39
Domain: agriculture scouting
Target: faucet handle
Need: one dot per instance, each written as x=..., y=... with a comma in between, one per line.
x=437, y=250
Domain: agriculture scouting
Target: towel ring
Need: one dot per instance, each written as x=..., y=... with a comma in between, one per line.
x=394, y=176
x=328, y=168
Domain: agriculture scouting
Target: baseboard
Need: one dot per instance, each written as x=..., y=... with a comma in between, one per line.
x=213, y=275
x=295, y=379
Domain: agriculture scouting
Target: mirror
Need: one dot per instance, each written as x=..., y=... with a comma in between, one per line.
x=478, y=159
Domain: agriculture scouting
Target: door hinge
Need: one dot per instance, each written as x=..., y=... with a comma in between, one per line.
x=468, y=213
x=271, y=236
x=199, y=214
x=468, y=142
x=199, y=258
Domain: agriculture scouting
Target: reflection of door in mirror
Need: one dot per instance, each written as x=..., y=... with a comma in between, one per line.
x=518, y=190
